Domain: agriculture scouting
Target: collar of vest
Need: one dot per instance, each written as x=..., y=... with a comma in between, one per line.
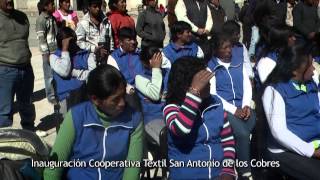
x=217, y=65
x=176, y=48
x=292, y=91
x=122, y=53
x=114, y=122
x=273, y=55
x=214, y=102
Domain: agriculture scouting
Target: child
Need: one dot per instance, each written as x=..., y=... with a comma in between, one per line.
x=71, y=66
x=65, y=15
x=291, y=105
x=100, y=130
x=198, y=129
x=46, y=29
x=232, y=85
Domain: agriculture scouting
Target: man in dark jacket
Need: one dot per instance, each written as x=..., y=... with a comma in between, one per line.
x=218, y=16
x=305, y=18
x=16, y=74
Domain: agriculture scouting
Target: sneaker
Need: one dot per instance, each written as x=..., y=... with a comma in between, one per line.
x=41, y=133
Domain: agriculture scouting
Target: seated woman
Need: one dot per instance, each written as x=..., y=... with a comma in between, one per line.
x=291, y=104
x=198, y=129
x=100, y=130
x=149, y=84
x=70, y=65
x=232, y=84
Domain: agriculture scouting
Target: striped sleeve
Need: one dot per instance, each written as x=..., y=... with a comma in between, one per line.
x=228, y=144
x=179, y=120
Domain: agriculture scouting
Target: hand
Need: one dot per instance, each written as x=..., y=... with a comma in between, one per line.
x=201, y=79
x=226, y=177
x=316, y=154
x=156, y=60
x=246, y=112
x=238, y=113
x=102, y=52
x=65, y=43
x=200, y=31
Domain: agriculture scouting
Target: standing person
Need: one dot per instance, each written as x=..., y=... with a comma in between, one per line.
x=46, y=29
x=150, y=26
x=94, y=31
x=230, y=8
x=196, y=13
x=65, y=16
x=103, y=129
x=16, y=74
x=291, y=105
x=197, y=127
x=119, y=18
x=289, y=16
x=305, y=18
x=71, y=66
x=218, y=16
x=232, y=85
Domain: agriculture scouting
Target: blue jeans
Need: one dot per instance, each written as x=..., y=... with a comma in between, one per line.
x=19, y=82
x=48, y=77
x=241, y=131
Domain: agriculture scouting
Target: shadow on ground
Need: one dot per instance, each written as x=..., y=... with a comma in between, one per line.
x=50, y=121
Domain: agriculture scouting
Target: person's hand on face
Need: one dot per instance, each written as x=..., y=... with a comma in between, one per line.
x=200, y=80
x=66, y=43
x=156, y=60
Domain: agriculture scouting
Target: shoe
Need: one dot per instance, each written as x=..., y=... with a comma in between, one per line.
x=41, y=133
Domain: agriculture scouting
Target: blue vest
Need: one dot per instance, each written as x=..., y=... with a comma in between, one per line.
x=317, y=59
x=127, y=63
x=229, y=82
x=95, y=142
x=151, y=109
x=258, y=85
x=203, y=143
x=66, y=85
x=302, y=110
x=172, y=52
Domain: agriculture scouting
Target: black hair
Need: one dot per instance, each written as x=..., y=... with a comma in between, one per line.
x=231, y=27
x=127, y=32
x=180, y=78
x=178, y=28
x=147, y=53
x=90, y=2
x=64, y=32
x=42, y=4
x=61, y=1
x=219, y=39
x=112, y=3
x=104, y=81
x=289, y=60
x=276, y=39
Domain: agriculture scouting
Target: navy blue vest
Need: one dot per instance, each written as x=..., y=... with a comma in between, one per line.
x=95, y=142
x=127, y=63
x=302, y=110
x=229, y=82
x=151, y=109
x=172, y=52
x=66, y=85
x=203, y=143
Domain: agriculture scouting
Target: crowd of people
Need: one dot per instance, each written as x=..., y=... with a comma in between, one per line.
x=220, y=98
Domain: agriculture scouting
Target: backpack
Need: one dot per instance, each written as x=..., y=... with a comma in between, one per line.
x=18, y=149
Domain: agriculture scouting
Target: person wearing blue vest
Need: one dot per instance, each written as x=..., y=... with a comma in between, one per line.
x=291, y=105
x=232, y=84
x=70, y=65
x=239, y=50
x=279, y=37
x=99, y=132
x=197, y=128
x=126, y=58
x=149, y=85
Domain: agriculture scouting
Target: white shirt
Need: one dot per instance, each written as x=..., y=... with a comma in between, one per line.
x=264, y=67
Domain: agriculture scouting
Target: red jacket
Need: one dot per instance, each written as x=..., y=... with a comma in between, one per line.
x=119, y=20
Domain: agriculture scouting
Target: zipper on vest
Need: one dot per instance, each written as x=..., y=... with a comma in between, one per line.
x=207, y=132
x=104, y=150
x=234, y=94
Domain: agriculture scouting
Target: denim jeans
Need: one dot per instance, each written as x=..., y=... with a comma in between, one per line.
x=19, y=82
x=241, y=131
x=48, y=77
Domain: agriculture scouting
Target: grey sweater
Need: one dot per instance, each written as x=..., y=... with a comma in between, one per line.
x=150, y=27
x=14, y=33
x=46, y=29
